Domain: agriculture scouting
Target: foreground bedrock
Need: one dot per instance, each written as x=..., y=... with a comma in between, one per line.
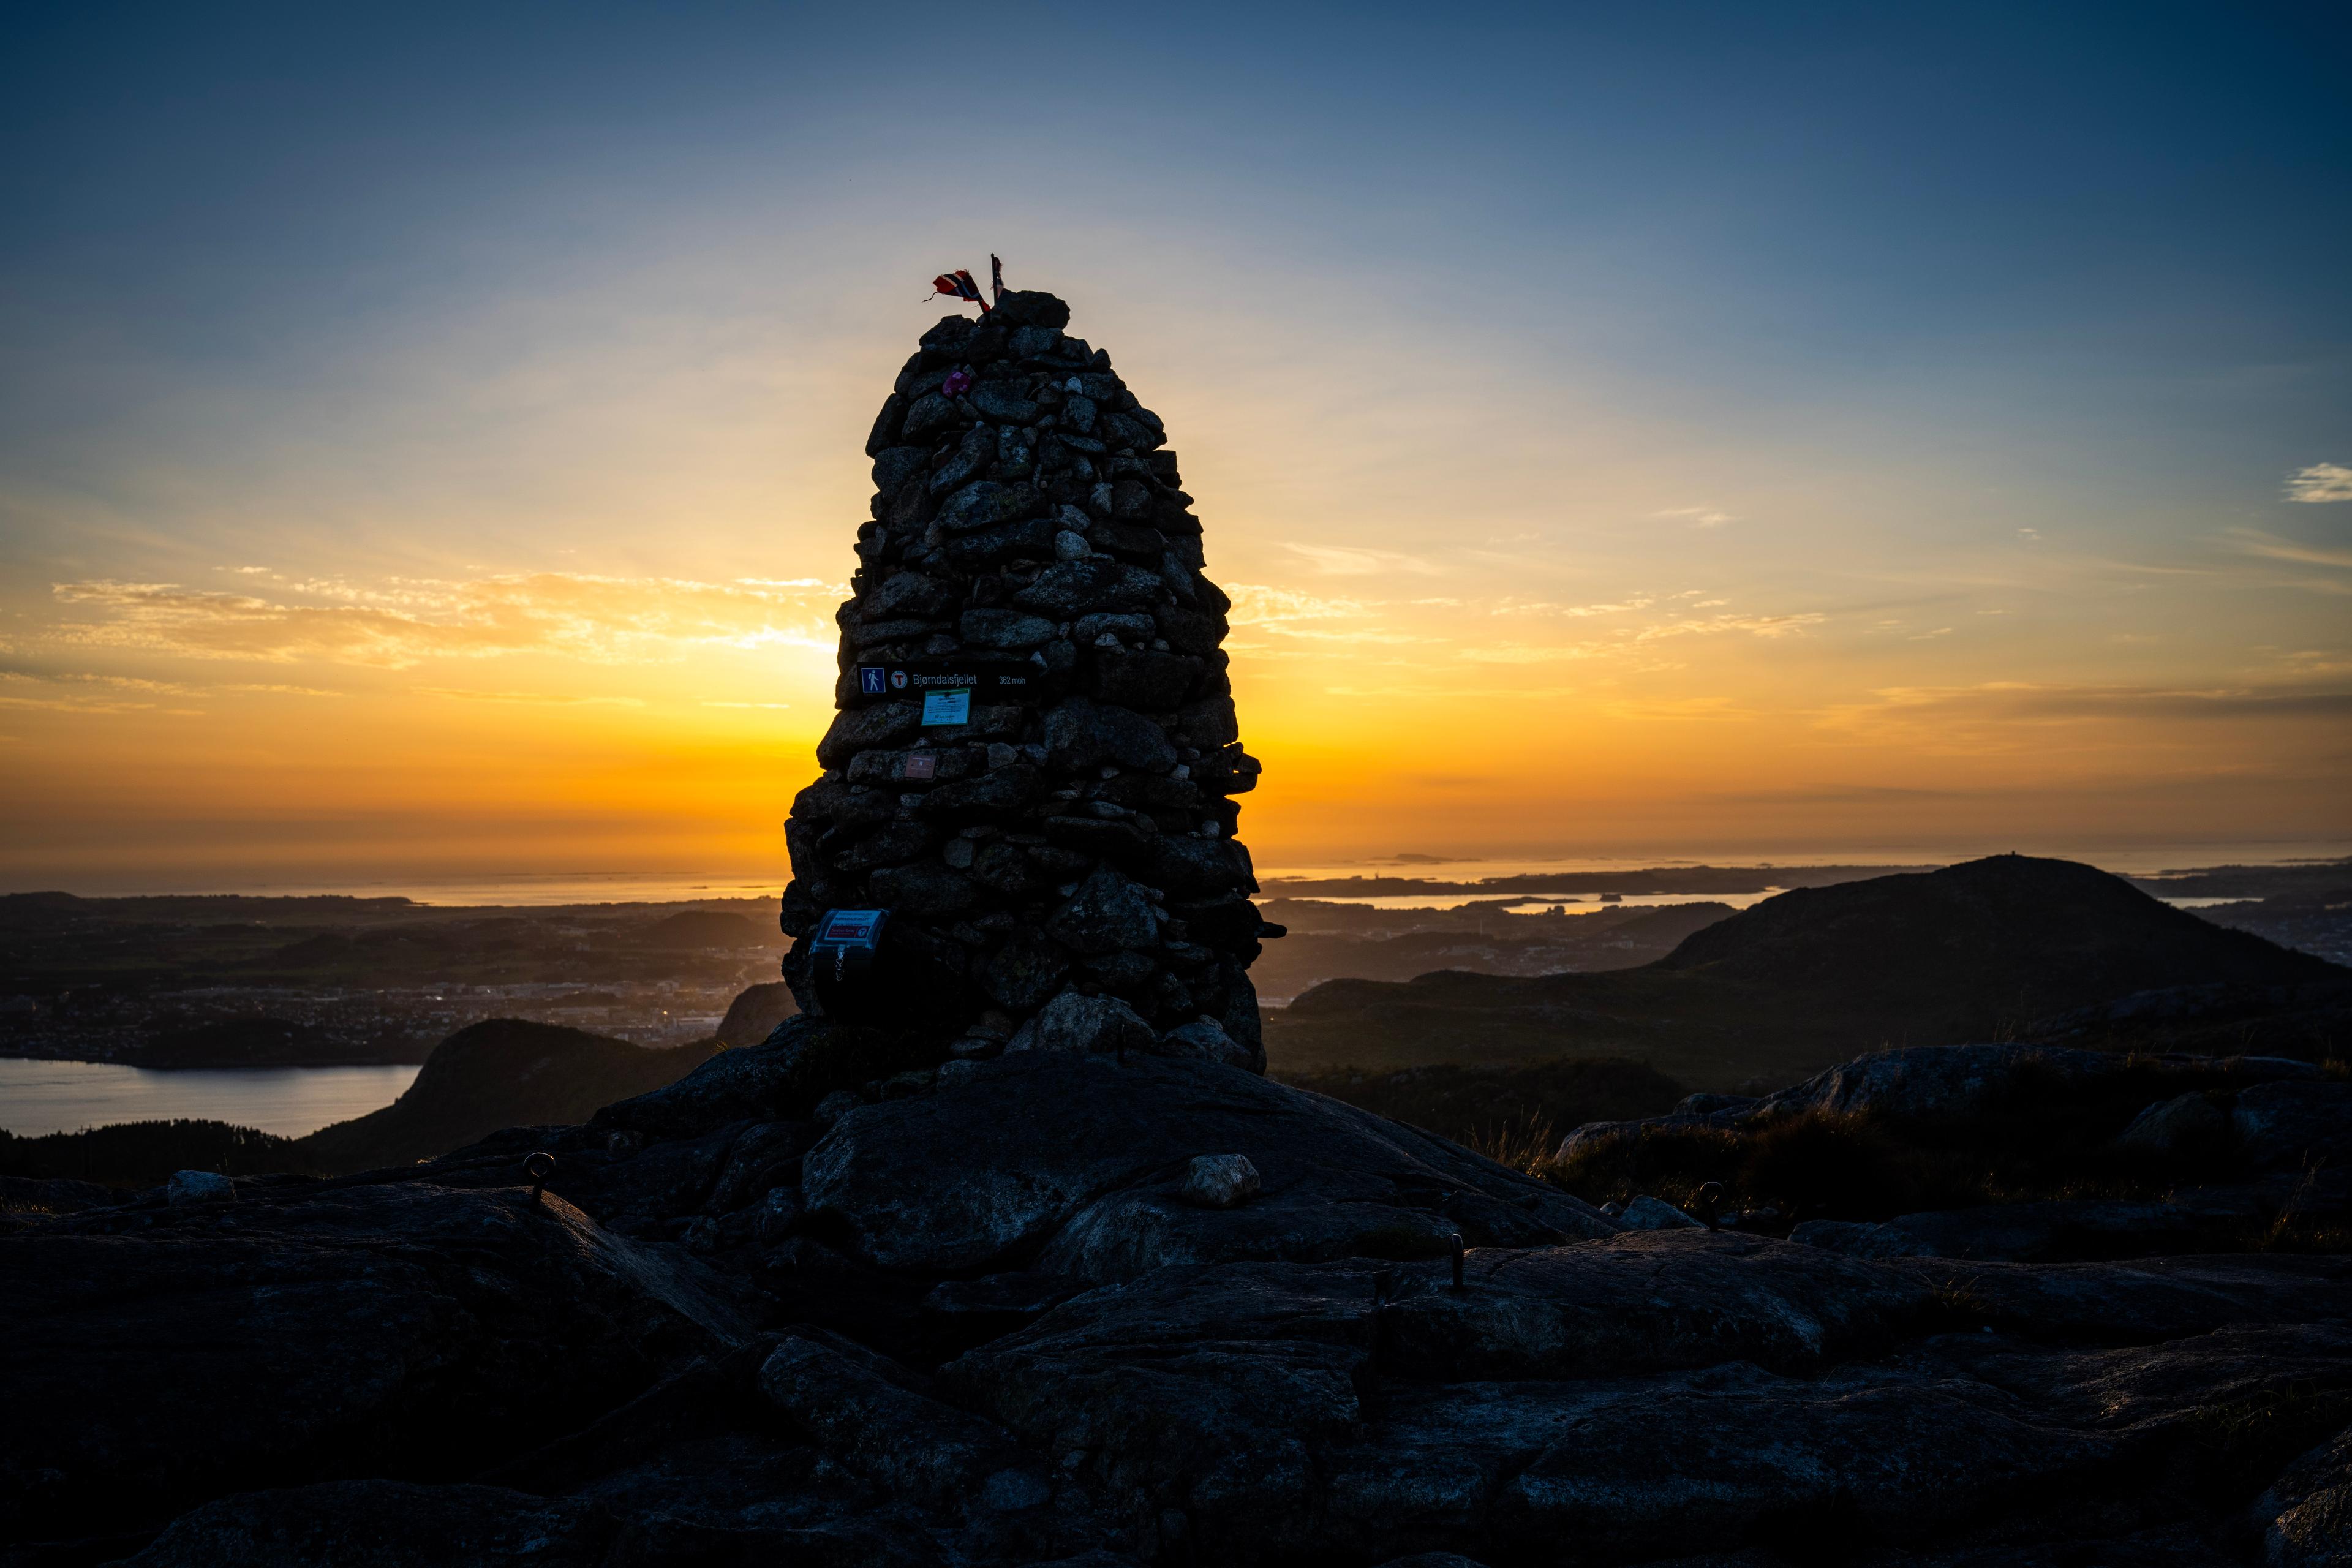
x=971, y=1317
x=156, y=1355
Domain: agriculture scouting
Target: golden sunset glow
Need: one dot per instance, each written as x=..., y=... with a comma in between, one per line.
x=488, y=513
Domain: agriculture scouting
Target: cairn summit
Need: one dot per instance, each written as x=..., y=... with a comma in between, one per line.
x=1028, y=813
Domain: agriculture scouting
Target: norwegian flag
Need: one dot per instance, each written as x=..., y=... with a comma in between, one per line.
x=996, y=276
x=960, y=286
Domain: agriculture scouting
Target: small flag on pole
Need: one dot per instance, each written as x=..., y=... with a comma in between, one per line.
x=996, y=276
x=960, y=286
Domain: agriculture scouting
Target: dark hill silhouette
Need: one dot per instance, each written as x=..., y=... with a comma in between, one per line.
x=703, y=928
x=1801, y=980
x=1502, y=1110
x=504, y=1072
x=755, y=1012
x=2053, y=932
x=144, y=1153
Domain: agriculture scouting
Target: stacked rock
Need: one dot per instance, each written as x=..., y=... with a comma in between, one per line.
x=1034, y=766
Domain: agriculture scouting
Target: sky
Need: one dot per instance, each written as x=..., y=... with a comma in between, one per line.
x=431, y=438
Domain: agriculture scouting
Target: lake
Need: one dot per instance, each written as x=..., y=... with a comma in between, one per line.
x=62, y=1097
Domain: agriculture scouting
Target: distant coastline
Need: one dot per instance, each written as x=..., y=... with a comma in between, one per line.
x=650, y=889
x=239, y=981
x=365, y=979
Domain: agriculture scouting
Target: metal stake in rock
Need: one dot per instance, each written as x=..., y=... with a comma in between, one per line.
x=539, y=1167
x=1456, y=1240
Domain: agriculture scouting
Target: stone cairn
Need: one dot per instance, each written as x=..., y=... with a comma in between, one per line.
x=1060, y=868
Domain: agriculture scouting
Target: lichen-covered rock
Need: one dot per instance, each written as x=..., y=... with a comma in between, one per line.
x=1073, y=1024
x=1206, y=1038
x=155, y=1354
x=2057, y=1230
x=1090, y=1154
x=869, y=1413
x=1936, y=1083
x=199, y=1186
x=1648, y=1397
x=400, y=1524
x=1220, y=1181
x=2291, y=1123
x=2171, y=1126
x=1646, y=1213
x=2306, y=1517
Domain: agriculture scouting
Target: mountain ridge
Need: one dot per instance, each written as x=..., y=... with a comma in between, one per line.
x=1974, y=951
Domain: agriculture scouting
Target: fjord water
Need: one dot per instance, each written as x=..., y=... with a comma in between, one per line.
x=42, y=1097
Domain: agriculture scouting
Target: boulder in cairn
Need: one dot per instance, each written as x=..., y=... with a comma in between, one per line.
x=1035, y=764
x=1220, y=1181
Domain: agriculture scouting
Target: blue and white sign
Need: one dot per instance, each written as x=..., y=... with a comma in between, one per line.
x=990, y=682
x=948, y=707
x=851, y=928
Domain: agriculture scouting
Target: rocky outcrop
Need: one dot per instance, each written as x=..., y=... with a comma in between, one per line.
x=159, y=1352
x=1955, y=1083
x=1035, y=766
x=2211, y=1154
x=2059, y=1230
x=754, y=1013
x=978, y=1313
x=960, y=1179
x=2286, y=1123
x=1929, y=1086
x=2306, y=1517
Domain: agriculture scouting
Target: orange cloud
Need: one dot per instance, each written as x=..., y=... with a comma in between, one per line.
x=398, y=624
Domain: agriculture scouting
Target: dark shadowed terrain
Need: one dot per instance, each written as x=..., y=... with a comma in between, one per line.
x=504, y=1072
x=815, y=1304
x=1503, y=1110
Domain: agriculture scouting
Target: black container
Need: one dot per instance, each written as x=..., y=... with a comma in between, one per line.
x=844, y=963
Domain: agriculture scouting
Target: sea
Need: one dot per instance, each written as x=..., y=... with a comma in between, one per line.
x=39, y=1097
x=544, y=889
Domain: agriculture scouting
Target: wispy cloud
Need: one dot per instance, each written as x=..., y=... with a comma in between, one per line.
x=533, y=699
x=77, y=693
x=1717, y=625
x=2011, y=715
x=1673, y=709
x=1530, y=653
x=1351, y=561
x=2271, y=547
x=1262, y=602
x=1698, y=516
x=2320, y=482
x=1291, y=612
x=1572, y=612
x=399, y=623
